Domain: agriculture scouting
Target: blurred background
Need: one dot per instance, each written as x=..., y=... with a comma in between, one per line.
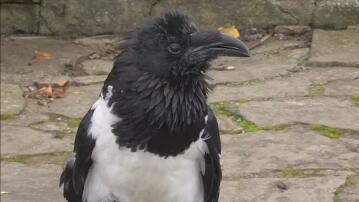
x=288, y=115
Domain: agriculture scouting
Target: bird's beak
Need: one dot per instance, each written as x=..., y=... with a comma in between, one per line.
x=215, y=44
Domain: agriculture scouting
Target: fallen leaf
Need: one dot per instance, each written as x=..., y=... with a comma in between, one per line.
x=231, y=31
x=46, y=91
x=66, y=86
x=39, y=55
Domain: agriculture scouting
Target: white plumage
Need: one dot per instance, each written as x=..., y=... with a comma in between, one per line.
x=121, y=175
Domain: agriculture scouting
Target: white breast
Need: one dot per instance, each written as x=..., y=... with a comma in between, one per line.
x=121, y=175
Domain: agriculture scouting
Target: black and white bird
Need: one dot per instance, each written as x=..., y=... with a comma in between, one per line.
x=151, y=137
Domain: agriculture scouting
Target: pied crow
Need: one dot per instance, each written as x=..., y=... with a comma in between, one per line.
x=151, y=137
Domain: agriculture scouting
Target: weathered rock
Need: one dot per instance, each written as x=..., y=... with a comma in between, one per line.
x=88, y=79
x=29, y=115
x=91, y=17
x=12, y=101
x=244, y=14
x=259, y=66
x=99, y=40
x=350, y=191
x=323, y=75
x=332, y=112
x=51, y=126
x=335, y=48
x=292, y=29
x=20, y=61
x=347, y=87
x=336, y=14
x=30, y=183
x=227, y=125
x=78, y=101
x=294, y=148
x=281, y=87
x=319, y=189
x=97, y=67
x=17, y=140
x=19, y=18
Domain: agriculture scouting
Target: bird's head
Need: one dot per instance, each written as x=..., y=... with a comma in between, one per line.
x=171, y=46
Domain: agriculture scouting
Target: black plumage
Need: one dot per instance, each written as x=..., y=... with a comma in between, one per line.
x=158, y=88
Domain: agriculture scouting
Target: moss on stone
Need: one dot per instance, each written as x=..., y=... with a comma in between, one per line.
x=53, y=158
x=248, y=126
x=219, y=108
x=355, y=99
x=7, y=116
x=350, y=181
x=54, y=117
x=316, y=90
x=327, y=131
x=242, y=101
x=292, y=173
x=73, y=123
x=14, y=159
x=276, y=127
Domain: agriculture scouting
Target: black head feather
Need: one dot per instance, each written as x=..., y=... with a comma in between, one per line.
x=158, y=83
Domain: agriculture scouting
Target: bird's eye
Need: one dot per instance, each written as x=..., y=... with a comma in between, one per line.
x=174, y=48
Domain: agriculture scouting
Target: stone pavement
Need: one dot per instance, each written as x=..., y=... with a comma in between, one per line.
x=289, y=116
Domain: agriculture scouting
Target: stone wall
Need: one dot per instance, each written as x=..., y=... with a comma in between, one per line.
x=90, y=17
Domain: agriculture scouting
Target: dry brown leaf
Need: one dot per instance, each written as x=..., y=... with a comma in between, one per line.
x=46, y=91
x=40, y=55
x=66, y=86
x=231, y=31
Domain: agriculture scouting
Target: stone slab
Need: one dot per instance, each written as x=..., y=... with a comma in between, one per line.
x=255, y=13
x=342, y=87
x=332, y=112
x=97, y=67
x=335, y=48
x=350, y=193
x=30, y=183
x=88, y=79
x=92, y=17
x=12, y=101
x=17, y=140
x=323, y=75
x=19, y=18
x=19, y=61
x=336, y=14
x=76, y=103
x=281, y=87
x=295, y=148
x=259, y=66
x=318, y=189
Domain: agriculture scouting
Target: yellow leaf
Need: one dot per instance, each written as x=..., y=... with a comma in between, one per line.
x=231, y=31
x=42, y=55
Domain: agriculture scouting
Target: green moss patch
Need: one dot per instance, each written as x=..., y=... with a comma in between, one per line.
x=248, y=126
x=14, y=159
x=292, y=173
x=54, y=117
x=355, y=99
x=53, y=158
x=219, y=108
x=316, y=90
x=327, y=131
x=7, y=117
x=73, y=123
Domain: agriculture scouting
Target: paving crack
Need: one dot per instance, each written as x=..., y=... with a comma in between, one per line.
x=43, y=21
x=287, y=173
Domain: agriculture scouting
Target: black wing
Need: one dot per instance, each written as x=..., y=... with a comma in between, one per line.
x=213, y=174
x=74, y=176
